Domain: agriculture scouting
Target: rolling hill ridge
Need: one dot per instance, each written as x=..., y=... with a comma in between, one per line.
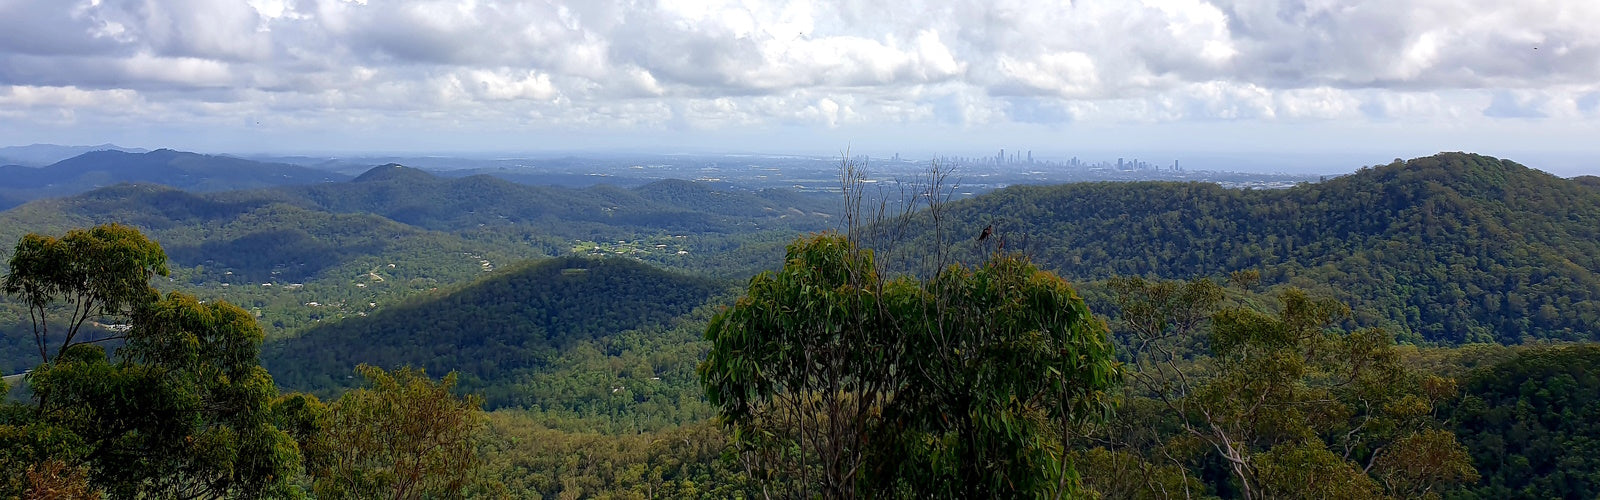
x=187, y=171
x=1449, y=248
x=495, y=329
x=399, y=231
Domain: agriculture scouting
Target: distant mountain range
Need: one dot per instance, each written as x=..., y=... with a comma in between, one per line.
x=300, y=230
x=187, y=171
x=38, y=155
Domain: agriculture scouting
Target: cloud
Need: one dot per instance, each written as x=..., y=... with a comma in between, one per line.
x=705, y=64
x=1588, y=103
x=1507, y=104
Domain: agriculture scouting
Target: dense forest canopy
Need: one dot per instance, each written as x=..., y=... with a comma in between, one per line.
x=1451, y=248
x=1393, y=333
x=496, y=330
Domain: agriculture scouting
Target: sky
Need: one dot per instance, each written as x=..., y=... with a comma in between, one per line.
x=1375, y=79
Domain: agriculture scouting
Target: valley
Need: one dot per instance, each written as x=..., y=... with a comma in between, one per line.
x=578, y=314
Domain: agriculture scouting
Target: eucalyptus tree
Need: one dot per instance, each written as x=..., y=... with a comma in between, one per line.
x=1286, y=401
x=839, y=383
x=404, y=437
x=86, y=274
x=181, y=411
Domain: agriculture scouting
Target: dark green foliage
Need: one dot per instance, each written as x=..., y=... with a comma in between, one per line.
x=1450, y=248
x=1532, y=424
x=838, y=383
x=180, y=412
x=183, y=411
x=1004, y=358
x=633, y=381
x=102, y=271
x=497, y=329
x=1593, y=182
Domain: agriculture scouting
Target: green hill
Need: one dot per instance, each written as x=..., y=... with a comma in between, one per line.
x=494, y=330
x=248, y=236
x=1450, y=248
x=187, y=171
x=295, y=233
x=393, y=172
x=416, y=197
x=354, y=247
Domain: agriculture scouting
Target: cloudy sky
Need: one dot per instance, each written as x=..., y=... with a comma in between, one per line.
x=1388, y=78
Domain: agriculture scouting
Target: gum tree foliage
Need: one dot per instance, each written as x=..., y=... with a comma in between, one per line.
x=404, y=437
x=87, y=273
x=1238, y=399
x=839, y=383
x=180, y=412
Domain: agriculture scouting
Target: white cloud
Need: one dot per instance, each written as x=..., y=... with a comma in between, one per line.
x=723, y=64
x=66, y=97
x=508, y=85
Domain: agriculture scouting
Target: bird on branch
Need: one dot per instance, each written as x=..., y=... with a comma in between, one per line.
x=987, y=230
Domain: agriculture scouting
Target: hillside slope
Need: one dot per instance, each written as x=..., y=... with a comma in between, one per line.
x=1449, y=248
x=353, y=247
x=187, y=171
x=420, y=198
x=495, y=329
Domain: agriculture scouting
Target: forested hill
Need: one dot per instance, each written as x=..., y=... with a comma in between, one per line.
x=1451, y=248
x=247, y=236
x=187, y=171
x=296, y=232
x=1591, y=181
x=416, y=197
x=496, y=329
